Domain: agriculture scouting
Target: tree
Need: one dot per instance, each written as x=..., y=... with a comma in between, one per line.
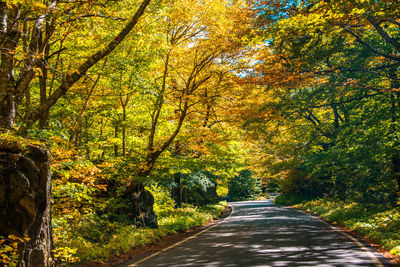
x=243, y=186
x=29, y=32
x=14, y=17
x=326, y=65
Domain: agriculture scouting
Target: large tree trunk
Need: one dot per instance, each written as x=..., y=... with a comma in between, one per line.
x=9, y=36
x=25, y=201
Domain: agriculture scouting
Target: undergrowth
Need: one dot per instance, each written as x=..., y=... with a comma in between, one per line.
x=88, y=225
x=116, y=238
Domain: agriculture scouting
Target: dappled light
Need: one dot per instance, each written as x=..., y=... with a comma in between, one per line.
x=126, y=125
x=260, y=233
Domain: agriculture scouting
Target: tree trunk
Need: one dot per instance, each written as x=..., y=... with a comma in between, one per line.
x=178, y=190
x=9, y=36
x=124, y=104
x=43, y=121
x=43, y=96
x=123, y=131
x=116, y=136
x=77, y=125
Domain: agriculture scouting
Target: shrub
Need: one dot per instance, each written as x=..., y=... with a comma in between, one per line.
x=297, y=182
x=243, y=186
x=163, y=202
x=289, y=199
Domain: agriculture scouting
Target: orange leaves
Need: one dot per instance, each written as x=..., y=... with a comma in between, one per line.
x=70, y=166
x=275, y=69
x=10, y=249
x=87, y=174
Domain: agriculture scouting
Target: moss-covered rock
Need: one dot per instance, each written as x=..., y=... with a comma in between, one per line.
x=25, y=199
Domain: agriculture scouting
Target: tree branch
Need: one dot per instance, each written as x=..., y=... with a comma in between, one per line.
x=384, y=34
x=72, y=78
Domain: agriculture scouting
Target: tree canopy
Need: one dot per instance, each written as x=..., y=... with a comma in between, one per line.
x=195, y=101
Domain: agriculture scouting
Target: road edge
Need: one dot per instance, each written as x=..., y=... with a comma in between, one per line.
x=226, y=214
x=359, y=240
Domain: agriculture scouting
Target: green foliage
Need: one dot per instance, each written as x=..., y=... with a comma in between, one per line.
x=263, y=196
x=222, y=191
x=199, y=188
x=184, y=218
x=379, y=222
x=290, y=199
x=163, y=202
x=243, y=186
x=333, y=105
x=96, y=239
x=214, y=210
x=297, y=182
x=10, y=140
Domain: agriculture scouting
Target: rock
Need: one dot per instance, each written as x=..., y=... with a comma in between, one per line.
x=25, y=201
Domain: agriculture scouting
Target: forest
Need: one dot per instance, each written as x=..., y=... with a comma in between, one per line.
x=125, y=121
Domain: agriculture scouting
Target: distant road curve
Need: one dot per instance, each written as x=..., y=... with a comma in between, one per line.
x=259, y=233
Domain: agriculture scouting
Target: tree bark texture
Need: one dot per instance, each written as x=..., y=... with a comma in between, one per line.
x=25, y=192
x=9, y=36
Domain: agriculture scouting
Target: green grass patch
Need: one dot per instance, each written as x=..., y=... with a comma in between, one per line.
x=380, y=223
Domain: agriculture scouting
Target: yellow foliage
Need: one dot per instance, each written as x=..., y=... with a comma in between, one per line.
x=10, y=249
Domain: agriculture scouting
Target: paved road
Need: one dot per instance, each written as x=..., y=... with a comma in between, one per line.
x=260, y=233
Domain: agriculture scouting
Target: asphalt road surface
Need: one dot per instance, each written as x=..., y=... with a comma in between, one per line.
x=259, y=233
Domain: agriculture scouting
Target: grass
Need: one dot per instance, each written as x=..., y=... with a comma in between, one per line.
x=380, y=223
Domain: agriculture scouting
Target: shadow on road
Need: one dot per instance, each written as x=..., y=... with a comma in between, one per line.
x=263, y=234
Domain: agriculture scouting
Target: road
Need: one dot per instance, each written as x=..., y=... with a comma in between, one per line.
x=259, y=233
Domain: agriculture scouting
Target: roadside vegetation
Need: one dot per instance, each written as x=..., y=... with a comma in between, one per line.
x=244, y=186
x=90, y=214
x=95, y=239
x=291, y=199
